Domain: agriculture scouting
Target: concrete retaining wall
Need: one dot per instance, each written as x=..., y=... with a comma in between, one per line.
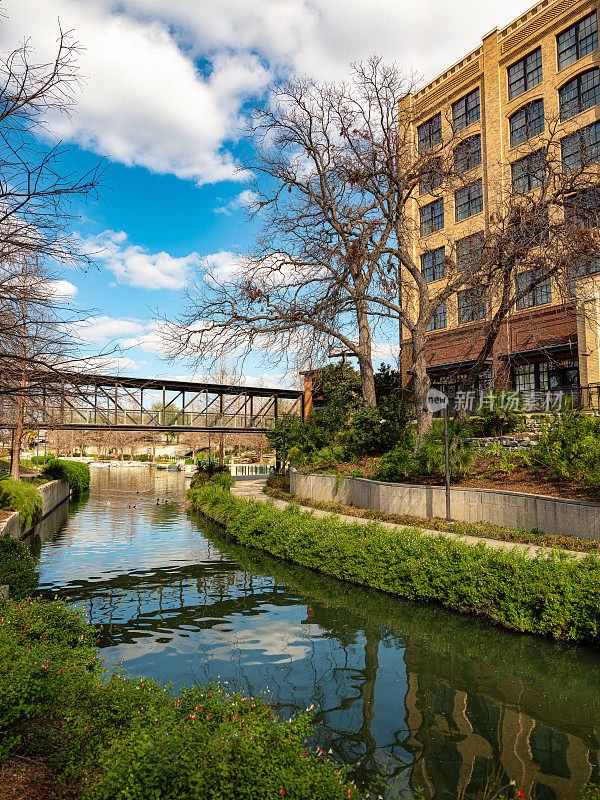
x=524, y=511
x=53, y=494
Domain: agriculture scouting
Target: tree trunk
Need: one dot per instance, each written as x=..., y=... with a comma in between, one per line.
x=365, y=363
x=421, y=385
x=16, y=445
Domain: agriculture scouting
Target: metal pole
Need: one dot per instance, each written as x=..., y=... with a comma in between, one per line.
x=37, y=451
x=209, y=454
x=447, y=462
x=283, y=448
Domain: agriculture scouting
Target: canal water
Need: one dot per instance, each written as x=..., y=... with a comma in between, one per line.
x=432, y=700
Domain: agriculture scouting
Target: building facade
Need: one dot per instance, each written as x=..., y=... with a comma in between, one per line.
x=497, y=100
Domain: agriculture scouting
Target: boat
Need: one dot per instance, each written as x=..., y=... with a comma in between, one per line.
x=161, y=466
x=174, y=467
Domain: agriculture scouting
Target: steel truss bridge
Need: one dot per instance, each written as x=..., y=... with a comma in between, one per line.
x=99, y=402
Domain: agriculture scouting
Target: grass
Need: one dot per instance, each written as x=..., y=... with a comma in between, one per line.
x=483, y=530
x=555, y=596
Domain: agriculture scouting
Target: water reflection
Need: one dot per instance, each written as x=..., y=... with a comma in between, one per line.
x=438, y=702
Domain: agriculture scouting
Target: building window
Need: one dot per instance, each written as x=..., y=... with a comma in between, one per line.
x=582, y=210
x=525, y=74
x=580, y=93
x=527, y=122
x=469, y=251
x=471, y=305
x=466, y=110
x=432, y=176
x=581, y=148
x=579, y=40
x=438, y=320
x=467, y=154
x=536, y=296
x=433, y=264
x=430, y=133
x=469, y=200
x=529, y=172
x=432, y=217
x=543, y=376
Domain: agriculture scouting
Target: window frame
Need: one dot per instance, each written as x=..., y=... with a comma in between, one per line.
x=429, y=188
x=529, y=174
x=434, y=134
x=464, y=307
x=540, y=295
x=577, y=79
x=458, y=204
x=577, y=40
x=440, y=313
x=528, y=123
x=527, y=81
x=422, y=221
x=464, y=158
x=580, y=137
x=571, y=210
x=477, y=235
x=436, y=266
x=464, y=102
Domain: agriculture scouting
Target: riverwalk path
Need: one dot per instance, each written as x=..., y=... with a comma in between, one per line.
x=251, y=488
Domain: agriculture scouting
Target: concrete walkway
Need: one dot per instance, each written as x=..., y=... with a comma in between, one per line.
x=252, y=488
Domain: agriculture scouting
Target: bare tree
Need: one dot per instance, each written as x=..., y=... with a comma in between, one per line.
x=338, y=174
x=36, y=187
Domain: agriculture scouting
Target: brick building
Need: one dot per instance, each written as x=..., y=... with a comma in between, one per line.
x=544, y=65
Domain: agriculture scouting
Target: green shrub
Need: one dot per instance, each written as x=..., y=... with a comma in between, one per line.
x=131, y=738
x=555, y=596
x=430, y=458
x=497, y=417
x=144, y=457
x=570, y=446
x=223, y=480
x=376, y=430
x=399, y=463
x=17, y=568
x=279, y=480
x=76, y=472
x=22, y=497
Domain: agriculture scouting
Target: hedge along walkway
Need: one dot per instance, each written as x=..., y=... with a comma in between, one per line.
x=252, y=488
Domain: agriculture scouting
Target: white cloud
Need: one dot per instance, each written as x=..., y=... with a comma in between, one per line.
x=166, y=83
x=111, y=364
x=241, y=201
x=105, y=330
x=62, y=291
x=133, y=265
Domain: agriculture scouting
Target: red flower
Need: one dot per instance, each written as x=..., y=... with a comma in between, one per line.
x=521, y=794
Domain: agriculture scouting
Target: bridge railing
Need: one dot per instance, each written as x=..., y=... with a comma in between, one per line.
x=168, y=419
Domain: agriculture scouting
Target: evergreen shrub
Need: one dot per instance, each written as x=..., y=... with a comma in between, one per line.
x=22, y=497
x=76, y=472
x=555, y=595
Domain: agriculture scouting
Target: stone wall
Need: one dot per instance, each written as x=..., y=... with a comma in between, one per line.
x=548, y=514
x=52, y=493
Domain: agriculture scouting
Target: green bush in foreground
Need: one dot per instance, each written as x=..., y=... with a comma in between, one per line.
x=22, y=497
x=76, y=472
x=17, y=568
x=131, y=738
x=555, y=596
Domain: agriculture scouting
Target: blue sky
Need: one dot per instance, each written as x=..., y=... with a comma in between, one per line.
x=165, y=88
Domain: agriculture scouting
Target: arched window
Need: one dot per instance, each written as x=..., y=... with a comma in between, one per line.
x=580, y=93
x=527, y=122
